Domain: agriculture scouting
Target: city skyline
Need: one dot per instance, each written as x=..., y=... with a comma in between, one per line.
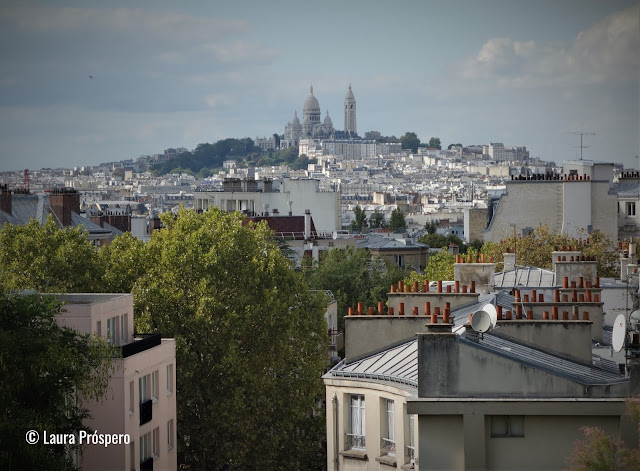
x=83, y=84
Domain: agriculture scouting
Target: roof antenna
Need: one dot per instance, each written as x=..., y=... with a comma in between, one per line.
x=582, y=133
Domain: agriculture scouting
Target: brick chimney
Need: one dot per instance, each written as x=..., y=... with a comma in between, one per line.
x=63, y=202
x=5, y=199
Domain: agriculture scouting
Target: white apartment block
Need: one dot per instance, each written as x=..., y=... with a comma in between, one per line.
x=141, y=399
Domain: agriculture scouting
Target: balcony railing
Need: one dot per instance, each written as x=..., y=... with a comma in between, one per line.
x=141, y=345
x=411, y=453
x=387, y=447
x=146, y=465
x=146, y=411
x=355, y=441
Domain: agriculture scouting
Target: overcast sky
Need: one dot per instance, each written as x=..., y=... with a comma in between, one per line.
x=175, y=74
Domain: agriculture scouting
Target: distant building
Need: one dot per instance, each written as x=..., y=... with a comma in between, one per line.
x=312, y=125
x=565, y=203
x=265, y=143
x=270, y=197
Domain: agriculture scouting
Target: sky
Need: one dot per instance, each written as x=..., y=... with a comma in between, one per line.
x=176, y=74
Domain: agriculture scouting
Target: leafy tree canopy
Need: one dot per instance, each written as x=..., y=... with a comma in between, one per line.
x=411, y=141
x=47, y=259
x=535, y=249
x=250, y=341
x=352, y=276
x=434, y=142
x=377, y=220
x=44, y=367
x=360, y=216
x=397, y=222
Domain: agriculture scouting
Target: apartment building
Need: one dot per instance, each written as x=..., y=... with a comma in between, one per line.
x=141, y=398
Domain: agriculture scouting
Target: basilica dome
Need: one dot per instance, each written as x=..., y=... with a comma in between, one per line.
x=311, y=104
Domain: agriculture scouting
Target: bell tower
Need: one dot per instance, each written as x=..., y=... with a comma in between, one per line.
x=350, y=113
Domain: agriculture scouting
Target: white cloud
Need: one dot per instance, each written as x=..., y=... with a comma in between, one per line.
x=609, y=50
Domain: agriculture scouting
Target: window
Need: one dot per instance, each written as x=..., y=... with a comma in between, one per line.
x=131, y=405
x=123, y=333
x=144, y=387
x=507, y=426
x=156, y=442
x=154, y=385
x=631, y=209
x=145, y=450
x=388, y=439
x=99, y=328
x=169, y=379
x=399, y=260
x=411, y=447
x=170, y=434
x=355, y=436
x=111, y=334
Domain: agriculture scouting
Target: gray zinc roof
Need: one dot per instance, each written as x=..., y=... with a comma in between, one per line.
x=525, y=276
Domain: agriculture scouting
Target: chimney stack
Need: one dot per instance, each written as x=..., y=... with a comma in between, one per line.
x=307, y=224
x=63, y=202
x=5, y=199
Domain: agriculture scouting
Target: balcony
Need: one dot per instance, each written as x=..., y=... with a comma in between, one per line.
x=141, y=345
x=388, y=447
x=146, y=411
x=146, y=465
x=355, y=442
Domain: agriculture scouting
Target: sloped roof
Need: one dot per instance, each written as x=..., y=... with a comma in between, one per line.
x=398, y=364
x=525, y=276
x=384, y=243
x=625, y=190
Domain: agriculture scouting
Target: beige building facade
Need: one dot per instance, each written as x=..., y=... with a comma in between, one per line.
x=141, y=399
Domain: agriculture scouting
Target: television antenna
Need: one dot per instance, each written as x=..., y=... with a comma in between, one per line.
x=582, y=133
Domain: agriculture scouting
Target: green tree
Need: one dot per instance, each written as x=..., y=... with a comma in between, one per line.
x=377, y=220
x=46, y=258
x=353, y=277
x=601, y=452
x=123, y=262
x=430, y=227
x=439, y=267
x=434, y=142
x=536, y=247
x=49, y=373
x=397, y=221
x=410, y=141
x=251, y=343
x=360, y=216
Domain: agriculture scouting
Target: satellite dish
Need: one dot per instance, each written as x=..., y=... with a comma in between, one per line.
x=634, y=320
x=619, y=333
x=485, y=318
x=335, y=235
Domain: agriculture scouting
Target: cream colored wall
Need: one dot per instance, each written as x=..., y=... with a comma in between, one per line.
x=111, y=415
x=375, y=393
x=547, y=442
x=82, y=312
x=440, y=440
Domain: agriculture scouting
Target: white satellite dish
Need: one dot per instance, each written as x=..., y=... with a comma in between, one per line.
x=334, y=235
x=619, y=333
x=634, y=320
x=485, y=318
